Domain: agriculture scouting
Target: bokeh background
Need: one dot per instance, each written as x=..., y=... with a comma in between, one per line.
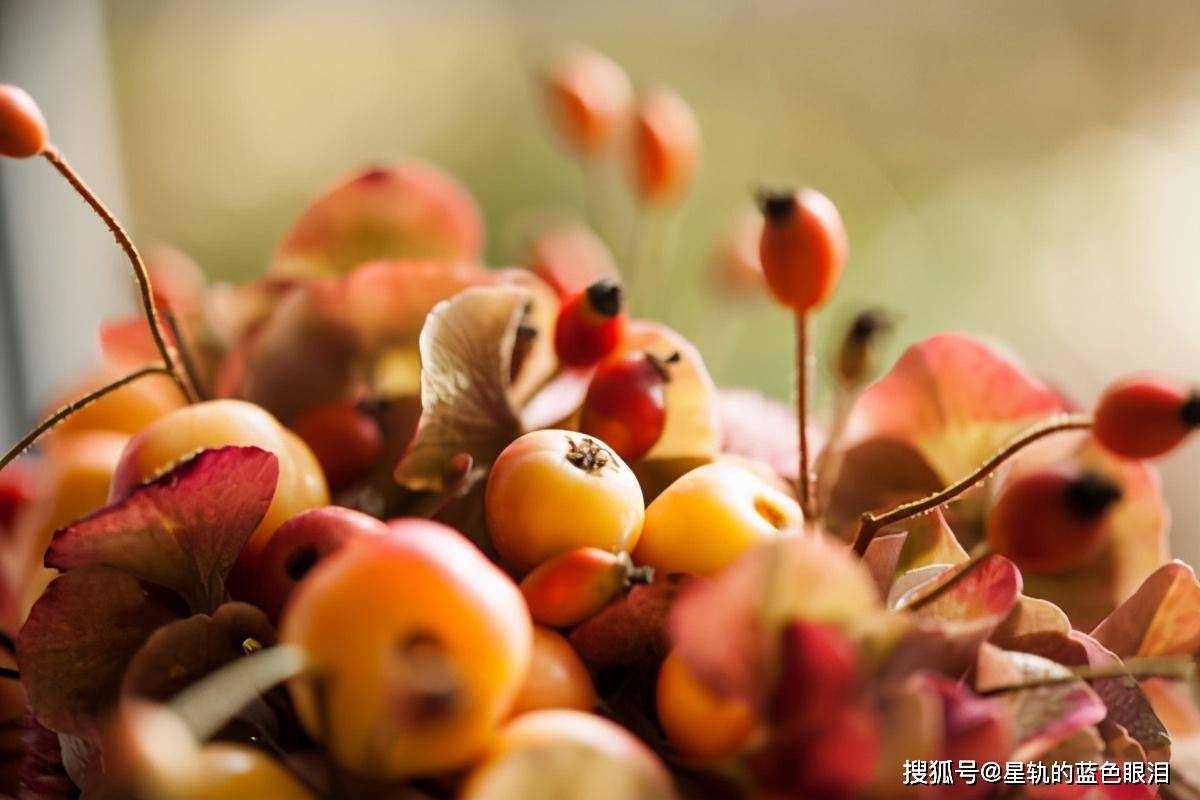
x=1028, y=171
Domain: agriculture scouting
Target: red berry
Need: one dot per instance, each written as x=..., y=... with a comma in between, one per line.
x=299, y=545
x=590, y=325
x=625, y=405
x=1051, y=520
x=22, y=126
x=1141, y=417
x=803, y=247
x=818, y=677
x=344, y=439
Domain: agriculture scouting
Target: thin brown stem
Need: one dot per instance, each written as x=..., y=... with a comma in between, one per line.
x=804, y=475
x=185, y=356
x=1137, y=668
x=871, y=523
x=77, y=405
x=140, y=273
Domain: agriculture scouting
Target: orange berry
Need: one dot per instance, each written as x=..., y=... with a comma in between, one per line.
x=666, y=146
x=588, y=96
x=552, y=491
x=557, y=677
x=22, y=126
x=700, y=724
x=418, y=645
x=568, y=588
x=803, y=247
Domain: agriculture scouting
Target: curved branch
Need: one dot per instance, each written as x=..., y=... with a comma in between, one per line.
x=871, y=523
x=141, y=274
x=77, y=405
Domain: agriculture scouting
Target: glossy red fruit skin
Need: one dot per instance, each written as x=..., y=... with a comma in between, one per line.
x=346, y=441
x=625, y=405
x=1034, y=524
x=803, y=247
x=1144, y=417
x=22, y=126
x=299, y=545
x=590, y=325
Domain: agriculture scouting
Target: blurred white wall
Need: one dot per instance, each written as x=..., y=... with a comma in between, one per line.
x=63, y=272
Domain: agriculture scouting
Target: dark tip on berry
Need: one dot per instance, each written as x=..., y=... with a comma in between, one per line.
x=662, y=365
x=870, y=322
x=1189, y=412
x=301, y=562
x=776, y=204
x=374, y=175
x=607, y=297
x=1090, y=495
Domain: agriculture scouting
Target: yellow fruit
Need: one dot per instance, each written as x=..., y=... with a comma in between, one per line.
x=700, y=724
x=557, y=677
x=710, y=516
x=552, y=491
x=417, y=644
x=221, y=423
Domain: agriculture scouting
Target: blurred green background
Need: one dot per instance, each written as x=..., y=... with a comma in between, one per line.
x=1028, y=171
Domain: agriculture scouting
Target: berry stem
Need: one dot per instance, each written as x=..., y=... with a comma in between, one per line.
x=804, y=475
x=77, y=405
x=185, y=356
x=141, y=274
x=872, y=522
x=1135, y=668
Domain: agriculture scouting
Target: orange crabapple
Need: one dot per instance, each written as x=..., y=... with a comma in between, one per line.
x=666, y=146
x=551, y=491
x=591, y=325
x=803, y=246
x=625, y=404
x=588, y=96
x=152, y=754
x=1052, y=519
x=567, y=589
x=1144, y=417
x=218, y=423
x=346, y=440
x=22, y=126
x=417, y=646
x=299, y=545
x=564, y=753
x=711, y=515
x=556, y=678
x=697, y=722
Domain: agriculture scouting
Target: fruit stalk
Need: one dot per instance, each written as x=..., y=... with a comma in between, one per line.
x=74, y=406
x=960, y=573
x=803, y=476
x=141, y=274
x=871, y=522
x=1180, y=669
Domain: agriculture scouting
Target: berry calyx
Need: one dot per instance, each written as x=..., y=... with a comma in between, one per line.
x=625, y=404
x=1051, y=520
x=22, y=126
x=803, y=247
x=666, y=146
x=591, y=324
x=1144, y=417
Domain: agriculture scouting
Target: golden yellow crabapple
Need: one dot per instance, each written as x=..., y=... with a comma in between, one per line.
x=710, y=516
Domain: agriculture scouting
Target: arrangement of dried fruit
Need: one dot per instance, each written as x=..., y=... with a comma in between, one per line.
x=385, y=522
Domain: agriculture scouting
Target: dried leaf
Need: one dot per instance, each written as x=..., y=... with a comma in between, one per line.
x=182, y=531
x=1162, y=618
x=466, y=351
